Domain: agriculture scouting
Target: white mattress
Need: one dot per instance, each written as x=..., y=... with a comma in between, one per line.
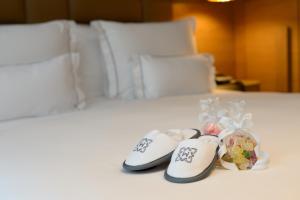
x=78, y=156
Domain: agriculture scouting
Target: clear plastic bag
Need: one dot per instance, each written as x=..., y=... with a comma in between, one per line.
x=239, y=147
x=210, y=116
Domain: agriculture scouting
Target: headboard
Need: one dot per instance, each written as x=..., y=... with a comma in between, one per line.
x=83, y=11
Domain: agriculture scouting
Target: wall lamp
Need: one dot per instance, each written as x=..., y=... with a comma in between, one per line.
x=219, y=0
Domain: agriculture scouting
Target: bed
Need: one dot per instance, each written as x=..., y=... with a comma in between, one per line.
x=78, y=155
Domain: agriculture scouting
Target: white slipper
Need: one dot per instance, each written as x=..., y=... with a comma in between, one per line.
x=156, y=148
x=193, y=160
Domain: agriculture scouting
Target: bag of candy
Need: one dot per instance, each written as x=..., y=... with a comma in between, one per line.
x=239, y=146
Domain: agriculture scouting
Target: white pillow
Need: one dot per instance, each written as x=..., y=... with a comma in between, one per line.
x=38, y=89
x=21, y=44
x=26, y=44
x=92, y=73
x=170, y=76
x=119, y=41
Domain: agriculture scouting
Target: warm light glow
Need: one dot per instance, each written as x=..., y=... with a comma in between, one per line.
x=219, y=0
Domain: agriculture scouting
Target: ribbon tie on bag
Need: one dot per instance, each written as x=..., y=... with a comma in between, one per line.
x=231, y=125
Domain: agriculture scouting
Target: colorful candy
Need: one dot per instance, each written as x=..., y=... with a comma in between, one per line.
x=240, y=150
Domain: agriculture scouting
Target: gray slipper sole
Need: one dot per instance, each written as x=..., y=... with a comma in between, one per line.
x=198, y=177
x=158, y=161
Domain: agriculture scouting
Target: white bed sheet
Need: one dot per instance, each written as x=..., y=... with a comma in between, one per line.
x=78, y=156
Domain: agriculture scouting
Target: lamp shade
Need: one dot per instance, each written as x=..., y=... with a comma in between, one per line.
x=219, y=0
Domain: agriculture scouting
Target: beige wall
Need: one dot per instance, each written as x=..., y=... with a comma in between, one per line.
x=215, y=29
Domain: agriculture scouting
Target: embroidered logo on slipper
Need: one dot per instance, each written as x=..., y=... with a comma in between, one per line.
x=143, y=145
x=186, y=154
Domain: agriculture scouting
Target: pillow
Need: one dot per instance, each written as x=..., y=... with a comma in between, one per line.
x=26, y=44
x=119, y=41
x=38, y=89
x=92, y=73
x=170, y=76
x=21, y=44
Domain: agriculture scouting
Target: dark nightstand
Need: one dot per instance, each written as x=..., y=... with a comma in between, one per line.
x=241, y=85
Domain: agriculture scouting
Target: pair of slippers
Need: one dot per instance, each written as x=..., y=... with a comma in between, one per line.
x=192, y=157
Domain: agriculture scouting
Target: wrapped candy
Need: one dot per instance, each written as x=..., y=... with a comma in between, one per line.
x=210, y=116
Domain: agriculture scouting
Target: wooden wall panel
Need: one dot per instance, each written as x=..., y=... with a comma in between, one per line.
x=41, y=10
x=12, y=11
x=215, y=29
x=157, y=10
x=240, y=39
x=119, y=10
x=267, y=57
x=83, y=11
x=261, y=42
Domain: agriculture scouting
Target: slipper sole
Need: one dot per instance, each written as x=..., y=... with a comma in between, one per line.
x=156, y=162
x=198, y=177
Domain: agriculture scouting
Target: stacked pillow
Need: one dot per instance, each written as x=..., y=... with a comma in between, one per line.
x=38, y=70
x=57, y=66
x=122, y=43
x=34, y=43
